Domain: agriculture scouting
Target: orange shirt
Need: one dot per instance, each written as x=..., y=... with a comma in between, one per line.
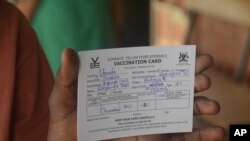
x=25, y=80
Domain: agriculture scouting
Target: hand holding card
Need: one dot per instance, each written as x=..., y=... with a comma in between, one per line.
x=63, y=105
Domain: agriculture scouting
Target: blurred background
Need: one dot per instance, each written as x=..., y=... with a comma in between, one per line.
x=218, y=27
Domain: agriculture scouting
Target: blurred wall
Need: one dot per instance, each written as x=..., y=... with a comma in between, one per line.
x=222, y=39
x=132, y=22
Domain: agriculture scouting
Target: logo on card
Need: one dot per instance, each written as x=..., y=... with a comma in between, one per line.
x=183, y=58
x=95, y=63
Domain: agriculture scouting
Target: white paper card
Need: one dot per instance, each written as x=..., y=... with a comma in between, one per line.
x=135, y=91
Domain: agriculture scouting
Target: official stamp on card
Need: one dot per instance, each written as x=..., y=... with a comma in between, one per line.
x=135, y=91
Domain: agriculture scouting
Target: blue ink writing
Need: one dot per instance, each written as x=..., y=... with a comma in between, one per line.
x=111, y=110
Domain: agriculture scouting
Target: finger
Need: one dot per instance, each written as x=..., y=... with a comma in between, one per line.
x=202, y=63
x=69, y=70
x=202, y=82
x=205, y=106
x=63, y=98
x=205, y=134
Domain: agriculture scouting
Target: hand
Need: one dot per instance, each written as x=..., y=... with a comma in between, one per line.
x=63, y=105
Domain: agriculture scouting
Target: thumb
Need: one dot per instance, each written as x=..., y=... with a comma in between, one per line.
x=68, y=72
x=63, y=98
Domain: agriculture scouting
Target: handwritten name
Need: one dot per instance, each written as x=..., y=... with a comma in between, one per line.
x=103, y=73
x=109, y=110
x=111, y=80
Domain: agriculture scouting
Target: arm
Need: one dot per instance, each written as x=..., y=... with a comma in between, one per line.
x=25, y=80
x=34, y=82
x=28, y=7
